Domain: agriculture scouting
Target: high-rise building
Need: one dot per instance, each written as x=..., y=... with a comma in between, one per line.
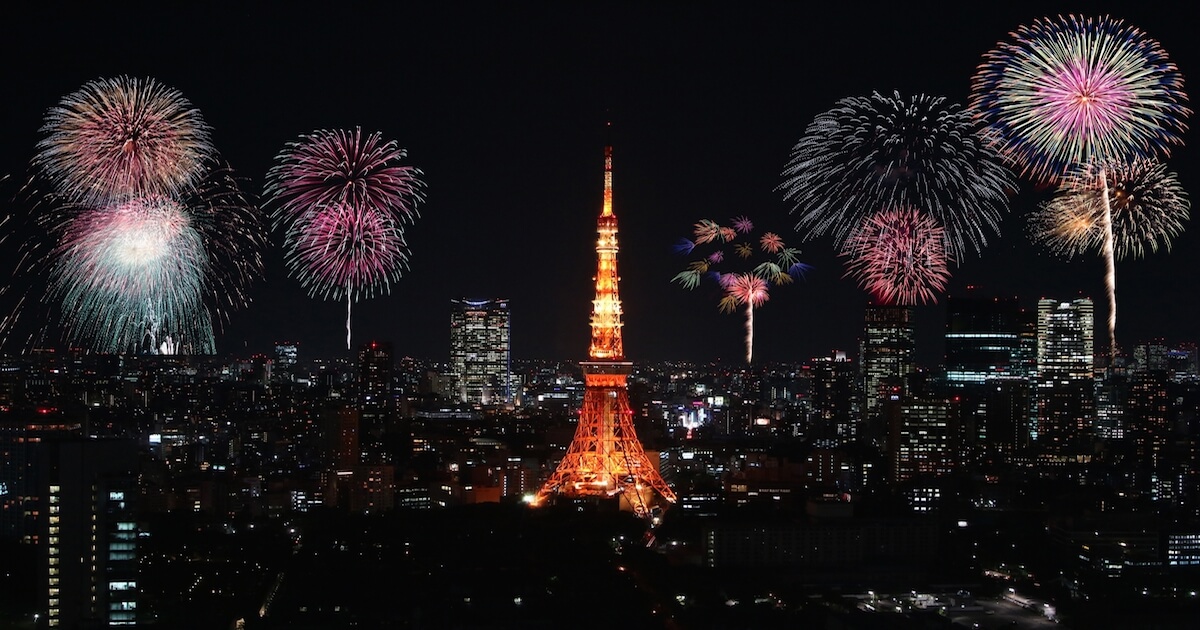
x=338, y=425
x=1065, y=393
x=286, y=353
x=982, y=337
x=1150, y=355
x=91, y=533
x=1148, y=414
x=376, y=397
x=23, y=469
x=886, y=355
x=1183, y=362
x=1005, y=417
x=832, y=394
x=1066, y=338
x=923, y=440
x=479, y=351
x=984, y=369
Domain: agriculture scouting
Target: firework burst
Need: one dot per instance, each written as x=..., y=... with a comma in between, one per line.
x=898, y=255
x=1149, y=208
x=875, y=152
x=128, y=276
x=343, y=200
x=1068, y=91
x=1075, y=92
x=120, y=138
x=151, y=274
x=735, y=244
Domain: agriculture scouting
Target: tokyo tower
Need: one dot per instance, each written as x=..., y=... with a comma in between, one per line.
x=605, y=458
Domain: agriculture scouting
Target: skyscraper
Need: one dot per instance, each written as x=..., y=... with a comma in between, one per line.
x=982, y=337
x=1151, y=355
x=923, y=439
x=886, y=352
x=479, y=351
x=1065, y=393
x=376, y=398
x=286, y=353
x=985, y=370
x=833, y=394
x=91, y=533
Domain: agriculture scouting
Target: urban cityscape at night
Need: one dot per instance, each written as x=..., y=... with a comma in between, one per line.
x=613, y=315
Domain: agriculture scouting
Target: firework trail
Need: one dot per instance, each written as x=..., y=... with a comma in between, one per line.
x=1077, y=92
x=120, y=138
x=880, y=152
x=734, y=244
x=343, y=201
x=1149, y=208
x=899, y=256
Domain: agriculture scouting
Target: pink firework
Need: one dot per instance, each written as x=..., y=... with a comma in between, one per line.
x=750, y=286
x=1069, y=91
x=744, y=289
x=349, y=246
x=743, y=225
x=116, y=139
x=343, y=200
x=898, y=255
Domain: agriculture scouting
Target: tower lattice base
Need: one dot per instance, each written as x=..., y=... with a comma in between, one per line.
x=605, y=458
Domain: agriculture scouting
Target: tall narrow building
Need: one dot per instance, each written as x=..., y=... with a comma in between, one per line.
x=605, y=458
x=1065, y=392
x=832, y=392
x=886, y=356
x=479, y=351
x=91, y=533
x=376, y=404
x=985, y=371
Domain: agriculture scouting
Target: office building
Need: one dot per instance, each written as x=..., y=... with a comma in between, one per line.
x=923, y=439
x=480, y=357
x=986, y=369
x=886, y=355
x=833, y=397
x=982, y=338
x=1065, y=391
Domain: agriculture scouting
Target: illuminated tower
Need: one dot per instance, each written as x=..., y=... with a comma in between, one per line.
x=605, y=458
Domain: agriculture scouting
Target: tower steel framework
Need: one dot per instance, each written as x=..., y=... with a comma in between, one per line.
x=605, y=458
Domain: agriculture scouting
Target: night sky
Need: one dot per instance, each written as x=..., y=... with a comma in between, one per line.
x=504, y=105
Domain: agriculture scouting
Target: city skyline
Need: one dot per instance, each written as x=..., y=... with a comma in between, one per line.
x=505, y=112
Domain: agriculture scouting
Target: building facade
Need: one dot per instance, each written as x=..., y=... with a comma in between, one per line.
x=982, y=338
x=886, y=353
x=1065, y=382
x=480, y=356
x=91, y=533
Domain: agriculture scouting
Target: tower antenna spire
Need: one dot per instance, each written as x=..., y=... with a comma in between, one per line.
x=608, y=174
